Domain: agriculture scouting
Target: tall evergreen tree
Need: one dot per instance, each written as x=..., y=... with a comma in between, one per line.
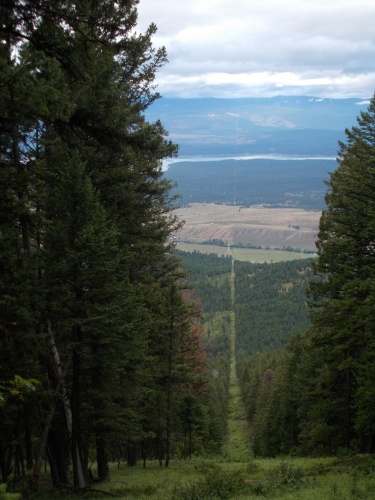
x=342, y=300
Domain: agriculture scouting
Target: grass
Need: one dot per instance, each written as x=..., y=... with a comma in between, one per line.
x=214, y=321
x=237, y=447
x=215, y=477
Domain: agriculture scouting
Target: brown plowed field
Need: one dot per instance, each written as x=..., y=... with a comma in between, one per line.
x=276, y=227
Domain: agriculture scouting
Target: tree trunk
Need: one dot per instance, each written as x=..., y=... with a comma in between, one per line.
x=28, y=441
x=58, y=452
x=5, y=455
x=132, y=454
x=35, y=474
x=74, y=423
x=71, y=413
x=102, y=458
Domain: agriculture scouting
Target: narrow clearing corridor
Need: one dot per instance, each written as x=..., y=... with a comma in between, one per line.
x=237, y=448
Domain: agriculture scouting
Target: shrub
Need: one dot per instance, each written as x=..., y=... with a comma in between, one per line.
x=8, y=496
x=280, y=477
x=216, y=483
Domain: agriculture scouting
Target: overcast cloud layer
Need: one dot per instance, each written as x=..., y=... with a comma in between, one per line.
x=251, y=48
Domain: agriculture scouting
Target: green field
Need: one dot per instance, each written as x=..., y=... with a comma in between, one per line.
x=244, y=254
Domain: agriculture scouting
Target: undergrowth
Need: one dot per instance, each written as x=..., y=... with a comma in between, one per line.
x=344, y=478
x=285, y=476
x=216, y=483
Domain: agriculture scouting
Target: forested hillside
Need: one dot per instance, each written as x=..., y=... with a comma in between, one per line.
x=316, y=395
x=270, y=304
x=209, y=276
x=270, y=308
x=289, y=183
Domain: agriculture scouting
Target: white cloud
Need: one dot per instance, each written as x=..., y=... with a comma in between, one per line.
x=244, y=48
x=363, y=103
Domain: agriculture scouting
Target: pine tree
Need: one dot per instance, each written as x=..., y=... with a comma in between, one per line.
x=178, y=352
x=87, y=308
x=342, y=301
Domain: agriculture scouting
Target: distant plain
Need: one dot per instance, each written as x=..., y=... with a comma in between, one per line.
x=272, y=229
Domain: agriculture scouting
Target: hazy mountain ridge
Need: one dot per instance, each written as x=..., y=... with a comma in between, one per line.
x=272, y=183
x=300, y=125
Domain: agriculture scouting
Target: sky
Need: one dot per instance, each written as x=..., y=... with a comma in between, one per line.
x=263, y=48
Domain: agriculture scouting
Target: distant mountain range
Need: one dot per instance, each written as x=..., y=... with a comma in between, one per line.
x=278, y=125
x=216, y=135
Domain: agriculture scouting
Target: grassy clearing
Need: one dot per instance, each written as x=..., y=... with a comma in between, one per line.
x=237, y=448
x=214, y=322
x=285, y=479
x=243, y=254
x=216, y=478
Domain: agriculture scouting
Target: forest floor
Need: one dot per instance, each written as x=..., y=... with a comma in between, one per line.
x=237, y=447
x=288, y=478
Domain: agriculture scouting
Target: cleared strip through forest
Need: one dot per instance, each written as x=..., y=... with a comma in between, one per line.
x=237, y=447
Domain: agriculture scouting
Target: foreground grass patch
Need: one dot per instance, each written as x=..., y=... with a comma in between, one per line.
x=216, y=478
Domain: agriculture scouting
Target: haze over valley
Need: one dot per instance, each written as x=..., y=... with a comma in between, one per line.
x=251, y=172
x=280, y=125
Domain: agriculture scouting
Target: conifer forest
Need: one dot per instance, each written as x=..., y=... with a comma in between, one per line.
x=115, y=346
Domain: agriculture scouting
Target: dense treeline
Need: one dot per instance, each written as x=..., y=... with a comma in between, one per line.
x=209, y=275
x=93, y=304
x=315, y=396
x=270, y=301
x=270, y=308
x=207, y=265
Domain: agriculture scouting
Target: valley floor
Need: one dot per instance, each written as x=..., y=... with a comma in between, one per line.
x=274, y=227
